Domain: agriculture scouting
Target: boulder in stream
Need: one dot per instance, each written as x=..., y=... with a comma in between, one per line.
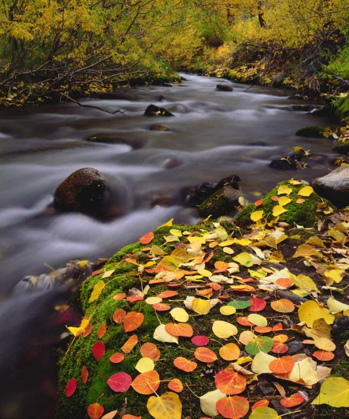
x=315, y=131
x=334, y=186
x=222, y=202
x=153, y=110
x=224, y=87
x=82, y=191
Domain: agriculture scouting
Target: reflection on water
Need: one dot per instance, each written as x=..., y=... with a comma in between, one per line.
x=213, y=135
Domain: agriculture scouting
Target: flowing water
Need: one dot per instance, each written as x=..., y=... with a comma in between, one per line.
x=213, y=134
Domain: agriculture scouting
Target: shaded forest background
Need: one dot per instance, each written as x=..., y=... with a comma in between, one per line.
x=66, y=49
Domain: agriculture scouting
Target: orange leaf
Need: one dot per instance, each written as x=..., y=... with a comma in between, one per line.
x=258, y=203
x=119, y=316
x=117, y=357
x=131, y=417
x=229, y=352
x=277, y=327
x=161, y=307
x=150, y=350
x=282, y=365
x=221, y=266
x=257, y=304
x=243, y=321
x=323, y=355
x=300, y=201
x=260, y=403
x=88, y=330
x=275, y=198
x=146, y=383
x=95, y=411
x=292, y=401
x=184, y=364
x=84, y=374
x=234, y=407
x=282, y=306
x=263, y=329
x=132, y=321
x=205, y=355
x=284, y=282
x=167, y=294
x=179, y=329
x=101, y=331
x=230, y=382
x=120, y=296
x=129, y=344
x=147, y=238
x=134, y=298
x=214, y=286
x=175, y=385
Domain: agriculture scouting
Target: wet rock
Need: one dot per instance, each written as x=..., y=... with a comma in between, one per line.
x=279, y=408
x=340, y=326
x=84, y=190
x=153, y=110
x=222, y=202
x=224, y=88
x=266, y=388
x=171, y=163
x=343, y=149
x=113, y=138
x=294, y=347
x=198, y=195
x=161, y=98
x=324, y=111
x=178, y=108
x=315, y=131
x=291, y=162
x=158, y=127
x=334, y=186
x=278, y=79
x=183, y=79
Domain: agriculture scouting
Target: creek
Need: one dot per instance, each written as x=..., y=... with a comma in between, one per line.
x=214, y=134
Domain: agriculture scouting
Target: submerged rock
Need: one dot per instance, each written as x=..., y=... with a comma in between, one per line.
x=334, y=186
x=291, y=162
x=114, y=138
x=153, y=110
x=224, y=87
x=315, y=131
x=158, y=127
x=222, y=202
x=83, y=191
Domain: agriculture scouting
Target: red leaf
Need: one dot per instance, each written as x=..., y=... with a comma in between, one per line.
x=100, y=271
x=132, y=321
x=292, y=401
x=134, y=298
x=150, y=350
x=84, y=374
x=120, y=382
x=98, y=350
x=230, y=382
x=119, y=316
x=101, y=331
x=117, y=358
x=257, y=304
x=95, y=411
x=235, y=407
x=71, y=387
x=200, y=340
x=275, y=198
x=147, y=238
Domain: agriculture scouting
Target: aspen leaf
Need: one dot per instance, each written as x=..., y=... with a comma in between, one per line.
x=181, y=329
x=278, y=210
x=257, y=319
x=150, y=350
x=167, y=406
x=200, y=340
x=117, y=358
x=260, y=363
x=179, y=314
x=208, y=402
x=175, y=385
x=240, y=304
x=77, y=330
x=323, y=355
x=284, y=200
x=282, y=365
x=229, y=352
x=71, y=387
x=324, y=344
x=304, y=282
x=292, y=401
x=145, y=364
x=161, y=335
x=260, y=403
x=98, y=350
x=147, y=238
x=146, y=383
x=284, y=190
x=335, y=392
x=132, y=321
x=129, y=344
x=201, y=306
x=153, y=300
x=119, y=316
x=120, y=382
x=311, y=311
x=97, y=290
x=257, y=215
x=264, y=413
x=244, y=321
x=306, y=191
x=84, y=374
x=205, y=273
x=259, y=344
x=185, y=364
x=230, y=382
x=95, y=411
x=167, y=294
x=168, y=224
x=223, y=329
x=244, y=259
x=246, y=337
x=102, y=330
x=227, y=310
x=112, y=415
x=205, y=355
x=234, y=407
x=161, y=307
x=282, y=306
x=335, y=274
x=257, y=304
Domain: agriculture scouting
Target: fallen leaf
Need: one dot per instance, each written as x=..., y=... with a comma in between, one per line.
x=150, y=350
x=129, y=344
x=98, y=350
x=97, y=290
x=205, y=355
x=119, y=382
x=292, y=401
x=175, y=385
x=234, y=407
x=335, y=392
x=95, y=411
x=133, y=321
x=71, y=387
x=146, y=383
x=230, y=382
x=145, y=364
x=84, y=374
x=117, y=358
x=224, y=329
x=167, y=406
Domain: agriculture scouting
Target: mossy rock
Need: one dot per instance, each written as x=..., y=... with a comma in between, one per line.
x=304, y=214
x=314, y=131
x=222, y=202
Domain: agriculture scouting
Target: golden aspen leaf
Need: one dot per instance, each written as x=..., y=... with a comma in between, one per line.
x=284, y=190
x=77, y=330
x=179, y=314
x=176, y=232
x=201, y=240
x=334, y=391
x=229, y=352
x=311, y=311
x=257, y=215
x=144, y=365
x=304, y=250
x=167, y=406
x=294, y=182
x=336, y=306
x=205, y=272
x=257, y=319
x=153, y=300
x=224, y=329
x=227, y=243
x=264, y=413
x=244, y=259
x=246, y=336
x=97, y=290
x=227, y=310
x=284, y=200
x=304, y=282
x=306, y=191
x=260, y=363
x=201, y=306
x=335, y=274
x=325, y=344
x=168, y=224
x=278, y=210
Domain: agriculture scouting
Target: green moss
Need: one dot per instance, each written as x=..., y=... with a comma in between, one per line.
x=315, y=131
x=220, y=203
x=301, y=214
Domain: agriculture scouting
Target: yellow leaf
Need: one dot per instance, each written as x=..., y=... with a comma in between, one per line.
x=108, y=274
x=168, y=224
x=306, y=191
x=264, y=413
x=97, y=289
x=227, y=310
x=257, y=215
x=304, y=250
x=145, y=364
x=167, y=406
x=77, y=330
x=176, y=232
x=201, y=240
x=334, y=391
x=335, y=274
x=242, y=242
x=304, y=282
x=227, y=243
x=223, y=329
x=201, y=306
x=310, y=311
x=284, y=200
x=325, y=344
x=277, y=257
x=257, y=319
x=294, y=182
x=278, y=210
x=284, y=190
x=179, y=314
x=153, y=300
x=243, y=360
x=244, y=259
x=83, y=263
x=170, y=239
x=336, y=306
x=162, y=335
x=205, y=272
